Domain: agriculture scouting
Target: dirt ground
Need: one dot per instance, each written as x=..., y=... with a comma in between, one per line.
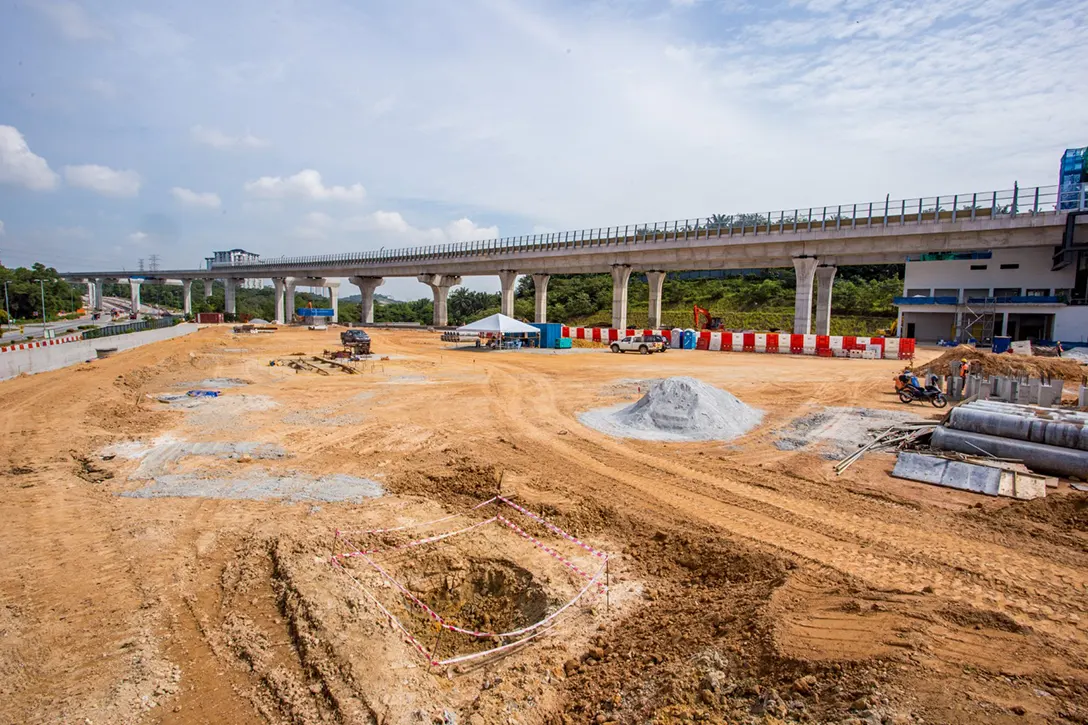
x=748, y=582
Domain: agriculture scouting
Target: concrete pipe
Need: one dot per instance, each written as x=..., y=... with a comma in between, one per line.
x=1032, y=410
x=1021, y=427
x=1036, y=456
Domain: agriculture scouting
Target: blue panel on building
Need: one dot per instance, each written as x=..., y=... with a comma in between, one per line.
x=550, y=332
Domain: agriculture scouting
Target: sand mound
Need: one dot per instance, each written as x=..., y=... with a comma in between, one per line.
x=677, y=409
x=1006, y=364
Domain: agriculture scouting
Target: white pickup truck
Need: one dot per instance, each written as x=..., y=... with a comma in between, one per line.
x=644, y=344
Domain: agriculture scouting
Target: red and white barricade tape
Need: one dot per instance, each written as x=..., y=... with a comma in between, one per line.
x=42, y=343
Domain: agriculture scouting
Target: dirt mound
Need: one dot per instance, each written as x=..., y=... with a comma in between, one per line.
x=1006, y=364
x=967, y=616
x=677, y=409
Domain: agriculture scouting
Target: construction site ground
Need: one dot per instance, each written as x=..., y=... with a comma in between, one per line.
x=748, y=582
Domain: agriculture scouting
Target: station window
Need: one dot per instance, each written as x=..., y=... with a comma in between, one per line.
x=1008, y=266
x=975, y=267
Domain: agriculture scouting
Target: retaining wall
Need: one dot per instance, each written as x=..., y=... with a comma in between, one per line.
x=53, y=357
x=888, y=348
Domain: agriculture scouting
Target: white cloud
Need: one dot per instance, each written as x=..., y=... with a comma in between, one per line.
x=102, y=87
x=19, y=165
x=392, y=228
x=305, y=184
x=207, y=199
x=72, y=20
x=138, y=236
x=103, y=180
x=217, y=139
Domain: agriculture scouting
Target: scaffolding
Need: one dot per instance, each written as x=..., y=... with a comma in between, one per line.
x=975, y=319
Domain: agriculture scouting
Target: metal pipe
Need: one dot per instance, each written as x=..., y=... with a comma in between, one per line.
x=1021, y=427
x=1036, y=456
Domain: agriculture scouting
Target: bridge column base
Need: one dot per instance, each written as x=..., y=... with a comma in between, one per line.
x=656, y=281
x=187, y=296
x=825, y=278
x=540, y=284
x=99, y=285
x=621, y=274
x=507, y=279
x=230, y=296
x=805, y=267
x=440, y=287
x=134, y=296
x=366, y=286
x=279, y=286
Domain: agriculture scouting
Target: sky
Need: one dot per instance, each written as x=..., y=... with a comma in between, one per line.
x=130, y=129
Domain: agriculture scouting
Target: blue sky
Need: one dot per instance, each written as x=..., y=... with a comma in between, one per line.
x=131, y=128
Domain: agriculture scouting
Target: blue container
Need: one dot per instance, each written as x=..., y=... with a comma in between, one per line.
x=549, y=333
x=1001, y=344
x=563, y=343
x=689, y=339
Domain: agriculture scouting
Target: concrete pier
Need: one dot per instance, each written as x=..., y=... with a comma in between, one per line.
x=134, y=296
x=621, y=275
x=209, y=285
x=90, y=294
x=366, y=286
x=230, y=296
x=540, y=284
x=99, y=285
x=825, y=278
x=805, y=267
x=440, y=287
x=656, y=281
x=187, y=296
x=334, y=299
x=279, y=286
x=507, y=279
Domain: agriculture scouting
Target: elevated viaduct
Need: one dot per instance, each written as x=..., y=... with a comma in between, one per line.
x=813, y=241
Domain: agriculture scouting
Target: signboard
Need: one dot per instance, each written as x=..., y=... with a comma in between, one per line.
x=314, y=312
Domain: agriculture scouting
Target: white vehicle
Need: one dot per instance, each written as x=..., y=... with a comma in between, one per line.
x=644, y=344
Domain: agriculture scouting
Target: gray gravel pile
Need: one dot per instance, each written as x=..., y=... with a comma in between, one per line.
x=838, y=431
x=677, y=409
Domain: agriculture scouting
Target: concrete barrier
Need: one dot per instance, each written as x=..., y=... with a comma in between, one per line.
x=42, y=359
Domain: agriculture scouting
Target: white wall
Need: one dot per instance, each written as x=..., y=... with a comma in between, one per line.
x=929, y=326
x=53, y=357
x=1034, y=272
x=1071, y=324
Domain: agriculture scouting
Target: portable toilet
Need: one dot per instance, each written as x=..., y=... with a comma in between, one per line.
x=690, y=336
x=676, y=338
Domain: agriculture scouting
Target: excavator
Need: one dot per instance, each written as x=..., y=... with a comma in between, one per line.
x=701, y=315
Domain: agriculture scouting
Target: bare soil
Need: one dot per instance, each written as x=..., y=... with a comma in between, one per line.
x=748, y=582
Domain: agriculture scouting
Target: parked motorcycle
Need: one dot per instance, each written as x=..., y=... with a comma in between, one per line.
x=909, y=390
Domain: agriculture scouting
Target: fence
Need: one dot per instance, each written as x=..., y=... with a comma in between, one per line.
x=110, y=330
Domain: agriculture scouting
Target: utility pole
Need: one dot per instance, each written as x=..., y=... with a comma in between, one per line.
x=153, y=263
x=7, y=304
x=42, y=283
x=140, y=262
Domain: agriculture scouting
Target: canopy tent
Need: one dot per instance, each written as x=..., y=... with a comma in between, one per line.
x=499, y=323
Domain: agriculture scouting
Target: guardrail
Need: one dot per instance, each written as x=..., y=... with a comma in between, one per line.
x=110, y=330
x=887, y=212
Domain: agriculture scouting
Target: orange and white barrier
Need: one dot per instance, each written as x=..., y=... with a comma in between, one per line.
x=886, y=348
x=42, y=343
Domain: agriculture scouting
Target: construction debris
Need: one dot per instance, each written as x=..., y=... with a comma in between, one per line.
x=990, y=477
x=898, y=437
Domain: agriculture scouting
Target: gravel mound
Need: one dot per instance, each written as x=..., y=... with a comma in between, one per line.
x=677, y=409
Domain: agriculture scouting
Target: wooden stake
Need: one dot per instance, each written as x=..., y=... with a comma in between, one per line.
x=434, y=651
x=607, y=586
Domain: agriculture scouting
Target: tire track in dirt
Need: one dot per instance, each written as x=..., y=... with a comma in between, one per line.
x=854, y=548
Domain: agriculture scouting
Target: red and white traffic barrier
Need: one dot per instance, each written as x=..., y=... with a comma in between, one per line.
x=42, y=343
x=887, y=348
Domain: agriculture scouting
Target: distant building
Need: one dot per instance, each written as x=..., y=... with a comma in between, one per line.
x=1019, y=293
x=233, y=258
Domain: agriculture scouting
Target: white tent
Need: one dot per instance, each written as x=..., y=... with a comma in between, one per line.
x=498, y=323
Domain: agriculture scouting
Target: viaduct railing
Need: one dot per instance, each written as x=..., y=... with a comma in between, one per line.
x=1033, y=201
